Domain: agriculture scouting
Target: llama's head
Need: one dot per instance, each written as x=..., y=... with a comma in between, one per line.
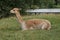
x=14, y=10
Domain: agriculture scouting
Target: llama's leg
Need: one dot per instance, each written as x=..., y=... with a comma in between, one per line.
x=43, y=26
x=46, y=27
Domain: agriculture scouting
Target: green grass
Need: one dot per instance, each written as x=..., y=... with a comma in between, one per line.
x=10, y=29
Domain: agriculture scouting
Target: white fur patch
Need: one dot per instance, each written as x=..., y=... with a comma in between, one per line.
x=31, y=27
x=24, y=26
x=44, y=25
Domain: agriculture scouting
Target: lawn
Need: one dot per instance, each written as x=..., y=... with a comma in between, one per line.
x=10, y=29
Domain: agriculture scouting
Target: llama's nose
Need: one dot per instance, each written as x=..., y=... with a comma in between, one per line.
x=11, y=11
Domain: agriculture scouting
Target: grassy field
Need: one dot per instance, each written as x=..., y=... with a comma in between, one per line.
x=10, y=29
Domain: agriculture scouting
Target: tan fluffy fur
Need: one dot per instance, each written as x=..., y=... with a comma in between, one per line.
x=33, y=23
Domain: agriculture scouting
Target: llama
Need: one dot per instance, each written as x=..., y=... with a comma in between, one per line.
x=32, y=23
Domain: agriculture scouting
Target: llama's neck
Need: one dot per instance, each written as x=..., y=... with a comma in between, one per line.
x=21, y=21
x=19, y=17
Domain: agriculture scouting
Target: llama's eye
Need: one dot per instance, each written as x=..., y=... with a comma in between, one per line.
x=13, y=10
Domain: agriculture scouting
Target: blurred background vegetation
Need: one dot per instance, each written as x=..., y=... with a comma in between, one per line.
x=7, y=5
